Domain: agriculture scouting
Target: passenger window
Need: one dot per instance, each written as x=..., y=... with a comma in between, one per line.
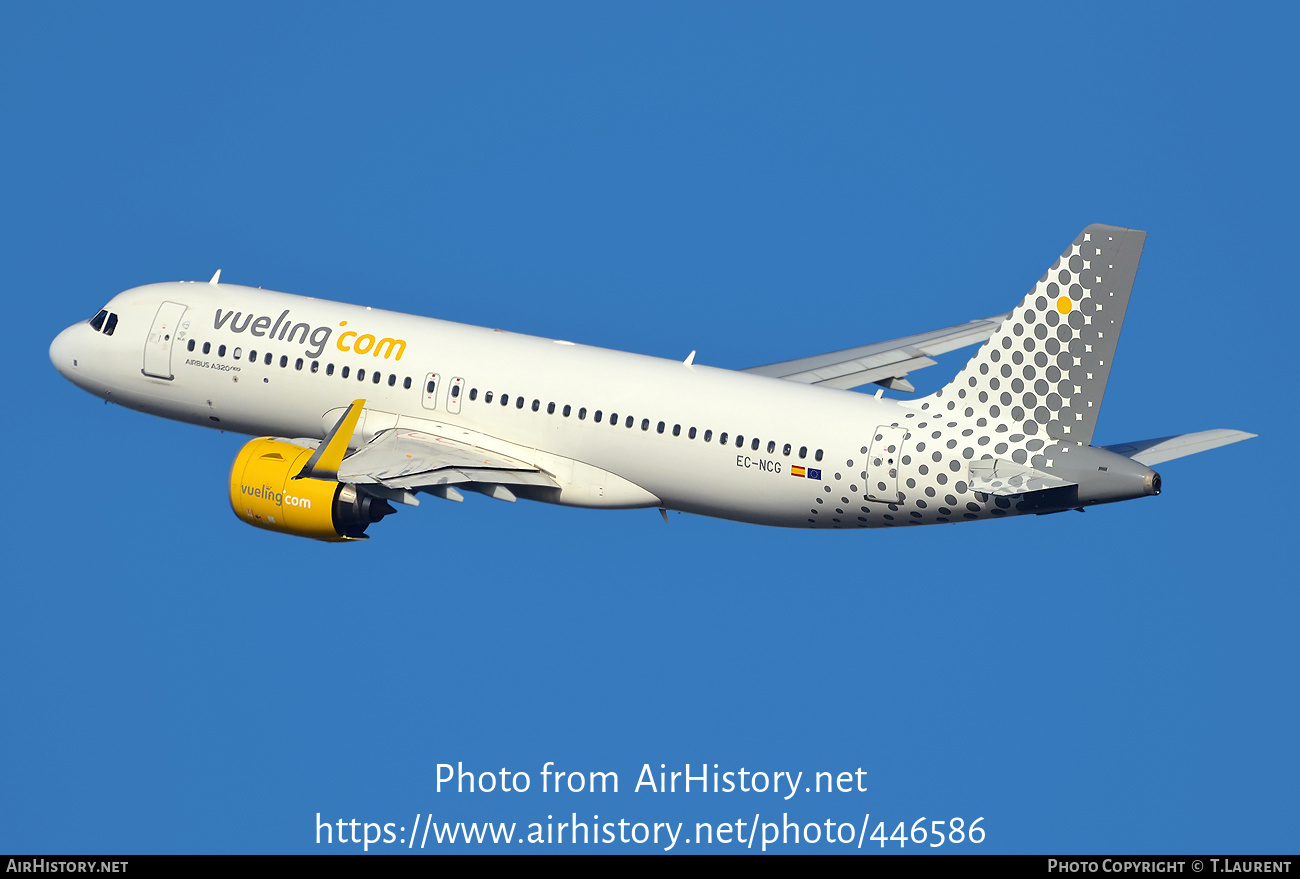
x=708, y=435
x=473, y=394
x=329, y=369
x=267, y=358
x=455, y=392
x=537, y=404
x=487, y=397
x=818, y=456
x=645, y=423
x=111, y=325
x=428, y=389
x=722, y=438
x=597, y=416
x=221, y=351
x=406, y=383
x=677, y=430
x=392, y=380
x=550, y=408
x=519, y=404
x=297, y=364
x=190, y=346
x=753, y=447
x=237, y=350
x=252, y=356
x=740, y=441
x=505, y=399
x=786, y=451
x=613, y=418
x=803, y=451
x=582, y=413
x=771, y=446
x=361, y=375
x=315, y=366
x=284, y=360
x=207, y=346
x=567, y=410
x=344, y=371
x=629, y=422
x=97, y=323
x=377, y=377
x=691, y=433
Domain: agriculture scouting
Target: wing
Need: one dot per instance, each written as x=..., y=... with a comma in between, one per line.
x=398, y=461
x=885, y=363
x=409, y=459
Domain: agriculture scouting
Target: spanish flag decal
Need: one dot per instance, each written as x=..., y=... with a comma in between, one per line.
x=796, y=471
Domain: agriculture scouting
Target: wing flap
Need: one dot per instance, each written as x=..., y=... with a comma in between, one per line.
x=885, y=363
x=1167, y=448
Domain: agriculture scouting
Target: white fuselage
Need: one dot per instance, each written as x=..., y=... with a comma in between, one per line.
x=703, y=440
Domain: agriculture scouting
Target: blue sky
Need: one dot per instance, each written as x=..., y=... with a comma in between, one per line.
x=753, y=181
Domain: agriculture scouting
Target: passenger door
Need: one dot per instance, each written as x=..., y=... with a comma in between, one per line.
x=158, y=346
x=883, y=463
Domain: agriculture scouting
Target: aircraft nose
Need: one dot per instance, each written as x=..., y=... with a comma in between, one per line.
x=62, y=352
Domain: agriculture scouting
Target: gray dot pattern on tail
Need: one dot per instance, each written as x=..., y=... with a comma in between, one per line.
x=1031, y=393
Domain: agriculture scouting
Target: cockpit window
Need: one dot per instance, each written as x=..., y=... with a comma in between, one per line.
x=111, y=325
x=97, y=322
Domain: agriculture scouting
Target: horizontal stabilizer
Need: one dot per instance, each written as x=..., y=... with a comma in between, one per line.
x=1003, y=478
x=1166, y=448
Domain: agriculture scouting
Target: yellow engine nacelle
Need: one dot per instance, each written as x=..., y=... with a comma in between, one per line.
x=264, y=493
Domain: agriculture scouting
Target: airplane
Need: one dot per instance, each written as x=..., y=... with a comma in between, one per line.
x=356, y=409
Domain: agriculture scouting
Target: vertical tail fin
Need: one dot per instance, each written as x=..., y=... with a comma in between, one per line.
x=1045, y=368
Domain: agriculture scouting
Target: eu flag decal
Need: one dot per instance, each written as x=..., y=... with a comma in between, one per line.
x=814, y=474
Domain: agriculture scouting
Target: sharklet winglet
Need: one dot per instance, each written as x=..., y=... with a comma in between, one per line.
x=324, y=462
x=216, y=278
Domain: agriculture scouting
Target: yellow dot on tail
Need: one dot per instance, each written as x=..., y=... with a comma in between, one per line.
x=1063, y=305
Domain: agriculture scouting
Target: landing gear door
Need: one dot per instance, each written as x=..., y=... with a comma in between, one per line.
x=883, y=463
x=431, y=391
x=158, y=346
